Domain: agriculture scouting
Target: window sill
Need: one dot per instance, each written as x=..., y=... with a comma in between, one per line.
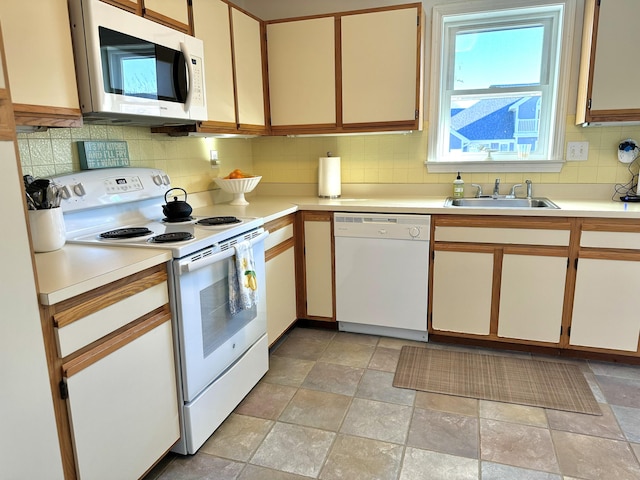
x=547, y=166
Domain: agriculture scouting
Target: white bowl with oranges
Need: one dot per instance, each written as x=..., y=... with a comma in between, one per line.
x=238, y=183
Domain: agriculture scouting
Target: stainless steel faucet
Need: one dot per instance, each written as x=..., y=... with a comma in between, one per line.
x=496, y=188
x=529, y=189
x=479, y=189
x=512, y=193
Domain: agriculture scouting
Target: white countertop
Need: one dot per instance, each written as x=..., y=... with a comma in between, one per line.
x=75, y=269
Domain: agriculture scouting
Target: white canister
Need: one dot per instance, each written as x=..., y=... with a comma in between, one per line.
x=329, y=183
x=47, y=229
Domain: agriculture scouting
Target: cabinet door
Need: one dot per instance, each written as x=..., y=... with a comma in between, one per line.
x=281, y=294
x=605, y=62
x=302, y=58
x=532, y=297
x=37, y=41
x=318, y=264
x=247, y=48
x=211, y=25
x=380, y=66
x=605, y=304
x=124, y=406
x=462, y=286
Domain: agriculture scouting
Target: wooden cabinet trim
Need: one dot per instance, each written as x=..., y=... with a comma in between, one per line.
x=279, y=223
x=167, y=21
x=43, y=116
x=147, y=323
x=610, y=225
x=78, y=307
x=609, y=254
x=279, y=249
x=542, y=223
x=133, y=6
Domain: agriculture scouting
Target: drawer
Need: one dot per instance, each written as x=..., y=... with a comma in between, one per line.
x=628, y=240
x=96, y=325
x=521, y=236
x=278, y=236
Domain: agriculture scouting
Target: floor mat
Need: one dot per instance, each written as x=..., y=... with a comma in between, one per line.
x=560, y=386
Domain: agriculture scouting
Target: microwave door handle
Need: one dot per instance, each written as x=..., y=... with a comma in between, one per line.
x=217, y=257
x=187, y=59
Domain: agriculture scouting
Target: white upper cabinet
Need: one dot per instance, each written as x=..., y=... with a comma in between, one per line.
x=356, y=71
x=302, y=72
x=607, y=89
x=39, y=56
x=381, y=66
x=247, y=48
x=211, y=25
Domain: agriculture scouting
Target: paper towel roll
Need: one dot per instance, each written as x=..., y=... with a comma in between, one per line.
x=329, y=177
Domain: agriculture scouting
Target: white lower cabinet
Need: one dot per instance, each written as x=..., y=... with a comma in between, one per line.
x=532, y=297
x=605, y=307
x=122, y=408
x=318, y=264
x=281, y=278
x=462, y=292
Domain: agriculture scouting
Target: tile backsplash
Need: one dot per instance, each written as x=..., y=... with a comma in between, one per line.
x=366, y=159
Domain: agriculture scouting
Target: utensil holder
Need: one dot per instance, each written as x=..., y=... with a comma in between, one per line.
x=47, y=229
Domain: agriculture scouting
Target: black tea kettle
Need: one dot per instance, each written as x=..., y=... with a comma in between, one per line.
x=176, y=208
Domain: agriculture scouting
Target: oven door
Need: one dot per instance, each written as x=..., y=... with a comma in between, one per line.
x=210, y=338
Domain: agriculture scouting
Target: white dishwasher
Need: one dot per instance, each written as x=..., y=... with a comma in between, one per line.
x=381, y=271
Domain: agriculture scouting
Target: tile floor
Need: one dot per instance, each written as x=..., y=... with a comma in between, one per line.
x=327, y=409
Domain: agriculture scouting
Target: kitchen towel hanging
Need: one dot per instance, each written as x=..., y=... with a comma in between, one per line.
x=243, y=284
x=329, y=183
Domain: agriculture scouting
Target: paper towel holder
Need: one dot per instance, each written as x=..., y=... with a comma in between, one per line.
x=329, y=183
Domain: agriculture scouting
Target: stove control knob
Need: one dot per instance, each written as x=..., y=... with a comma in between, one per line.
x=414, y=232
x=79, y=190
x=157, y=179
x=65, y=193
x=165, y=180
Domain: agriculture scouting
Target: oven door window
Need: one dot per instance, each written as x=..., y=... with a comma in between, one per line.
x=218, y=325
x=137, y=68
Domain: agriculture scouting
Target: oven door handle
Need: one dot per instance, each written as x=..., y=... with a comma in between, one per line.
x=217, y=257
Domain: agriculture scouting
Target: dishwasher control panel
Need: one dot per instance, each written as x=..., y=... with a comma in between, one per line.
x=377, y=225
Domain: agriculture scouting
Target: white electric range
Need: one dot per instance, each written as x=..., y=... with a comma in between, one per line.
x=220, y=355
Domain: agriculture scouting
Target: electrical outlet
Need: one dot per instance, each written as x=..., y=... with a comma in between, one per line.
x=577, y=151
x=213, y=158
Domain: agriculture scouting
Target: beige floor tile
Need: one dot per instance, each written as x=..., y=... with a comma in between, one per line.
x=302, y=347
x=377, y=385
x=636, y=449
x=447, y=403
x=377, y=420
x=604, y=425
x=349, y=354
x=510, y=412
x=495, y=471
x=594, y=458
x=321, y=334
x=317, y=409
x=254, y=472
x=334, y=378
x=426, y=465
x=384, y=359
x=359, y=338
x=398, y=343
x=294, y=449
x=202, y=467
x=266, y=400
x=287, y=371
x=518, y=445
x=237, y=438
x=354, y=458
x=444, y=432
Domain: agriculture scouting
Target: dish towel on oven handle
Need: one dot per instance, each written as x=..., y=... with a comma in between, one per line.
x=243, y=284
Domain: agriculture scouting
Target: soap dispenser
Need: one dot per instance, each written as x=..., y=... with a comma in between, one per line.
x=458, y=187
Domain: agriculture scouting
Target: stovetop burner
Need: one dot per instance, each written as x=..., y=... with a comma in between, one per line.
x=120, y=233
x=178, y=220
x=171, y=237
x=214, y=221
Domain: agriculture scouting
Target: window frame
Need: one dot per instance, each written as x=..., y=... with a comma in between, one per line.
x=505, y=12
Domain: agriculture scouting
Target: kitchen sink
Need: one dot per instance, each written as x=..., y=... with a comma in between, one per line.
x=501, y=202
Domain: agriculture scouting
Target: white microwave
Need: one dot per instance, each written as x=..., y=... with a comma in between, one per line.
x=132, y=71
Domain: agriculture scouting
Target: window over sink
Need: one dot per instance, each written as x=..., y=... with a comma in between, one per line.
x=499, y=80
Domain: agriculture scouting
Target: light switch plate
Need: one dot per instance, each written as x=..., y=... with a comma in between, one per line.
x=577, y=151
